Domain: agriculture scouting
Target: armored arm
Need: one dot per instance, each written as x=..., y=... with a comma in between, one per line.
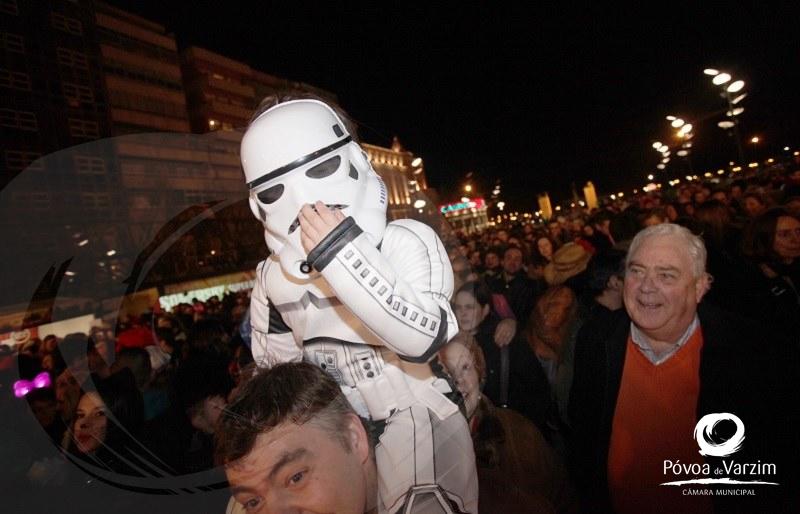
x=272, y=341
x=400, y=292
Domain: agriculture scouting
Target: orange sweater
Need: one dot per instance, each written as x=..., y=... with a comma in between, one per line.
x=654, y=421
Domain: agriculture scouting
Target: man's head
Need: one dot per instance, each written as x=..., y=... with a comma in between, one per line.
x=299, y=151
x=291, y=442
x=665, y=279
x=512, y=260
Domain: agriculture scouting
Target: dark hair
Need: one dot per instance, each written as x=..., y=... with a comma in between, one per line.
x=603, y=266
x=714, y=218
x=295, y=393
x=125, y=405
x=75, y=345
x=201, y=377
x=138, y=361
x=478, y=290
x=759, y=236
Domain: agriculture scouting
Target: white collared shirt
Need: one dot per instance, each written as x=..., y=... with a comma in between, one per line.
x=640, y=340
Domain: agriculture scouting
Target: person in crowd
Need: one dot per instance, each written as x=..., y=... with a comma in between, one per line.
x=323, y=294
x=292, y=442
x=108, y=422
x=518, y=471
x=669, y=360
x=754, y=204
x=202, y=385
x=601, y=238
x=545, y=247
x=513, y=377
x=492, y=263
x=772, y=242
x=513, y=283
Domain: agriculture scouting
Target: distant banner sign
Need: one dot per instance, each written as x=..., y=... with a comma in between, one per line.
x=474, y=203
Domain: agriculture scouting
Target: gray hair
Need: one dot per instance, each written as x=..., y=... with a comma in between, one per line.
x=694, y=244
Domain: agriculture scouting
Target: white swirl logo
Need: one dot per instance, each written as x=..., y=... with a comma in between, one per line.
x=704, y=430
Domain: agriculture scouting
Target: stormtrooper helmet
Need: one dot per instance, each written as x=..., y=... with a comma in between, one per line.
x=299, y=152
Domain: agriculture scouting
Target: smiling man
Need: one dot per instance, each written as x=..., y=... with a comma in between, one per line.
x=639, y=392
x=291, y=442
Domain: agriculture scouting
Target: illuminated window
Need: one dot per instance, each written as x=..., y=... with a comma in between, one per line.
x=83, y=128
x=77, y=93
x=12, y=42
x=72, y=59
x=23, y=120
x=17, y=160
x=15, y=80
x=85, y=165
x=70, y=25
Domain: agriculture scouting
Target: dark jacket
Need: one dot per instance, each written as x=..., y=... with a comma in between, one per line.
x=529, y=392
x=742, y=371
x=521, y=293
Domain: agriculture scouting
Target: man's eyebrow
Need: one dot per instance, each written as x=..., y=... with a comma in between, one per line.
x=286, y=458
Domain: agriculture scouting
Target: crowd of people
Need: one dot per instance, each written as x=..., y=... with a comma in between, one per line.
x=538, y=307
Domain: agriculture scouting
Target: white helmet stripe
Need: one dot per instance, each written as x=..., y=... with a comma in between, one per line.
x=299, y=162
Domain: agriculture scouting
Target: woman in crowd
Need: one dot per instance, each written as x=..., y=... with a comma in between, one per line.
x=107, y=424
x=772, y=242
x=520, y=382
x=517, y=471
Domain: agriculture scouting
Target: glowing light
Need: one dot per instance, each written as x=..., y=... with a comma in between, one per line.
x=738, y=98
x=725, y=124
x=613, y=197
x=111, y=253
x=720, y=172
x=69, y=273
x=785, y=148
x=84, y=242
x=671, y=118
x=678, y=123
x=711, y=71
x=468, y=188
x=660, y=166
x=419, y=204
x=753, y=165
x=720, y=79
x=755, y=139
x=736, y=111
x=416, y=162
x=735, y=87
x=657, y=145
x=650, y=177
x=682, y=153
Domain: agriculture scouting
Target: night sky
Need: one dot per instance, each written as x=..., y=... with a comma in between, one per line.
x=536, y=96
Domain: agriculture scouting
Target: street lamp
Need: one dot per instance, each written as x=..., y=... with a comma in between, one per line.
x=720, y=78
x=755, y=140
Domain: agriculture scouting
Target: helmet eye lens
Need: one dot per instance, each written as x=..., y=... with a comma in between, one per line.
x=271, y=194
x=324, y=168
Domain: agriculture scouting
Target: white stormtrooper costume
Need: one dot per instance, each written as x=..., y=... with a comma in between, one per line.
x=369, y=304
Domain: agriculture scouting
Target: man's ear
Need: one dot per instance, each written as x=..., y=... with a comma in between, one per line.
x=358, y=438
x=702, y=285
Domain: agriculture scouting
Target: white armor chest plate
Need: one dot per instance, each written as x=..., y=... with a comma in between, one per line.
x=330, y=335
